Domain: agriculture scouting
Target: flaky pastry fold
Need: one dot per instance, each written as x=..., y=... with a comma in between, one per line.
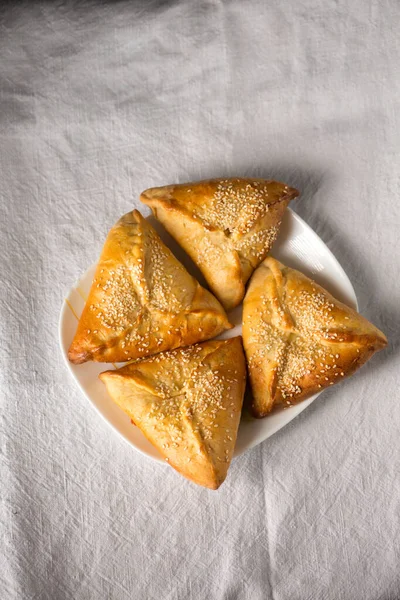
x=298, y=338
x=142, y=300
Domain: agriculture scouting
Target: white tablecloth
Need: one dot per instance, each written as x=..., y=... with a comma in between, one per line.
x=100, y=100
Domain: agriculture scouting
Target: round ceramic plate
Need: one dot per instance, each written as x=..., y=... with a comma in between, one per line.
x=298, y=246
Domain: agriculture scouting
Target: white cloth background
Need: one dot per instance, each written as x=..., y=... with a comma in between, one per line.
x=100, y=100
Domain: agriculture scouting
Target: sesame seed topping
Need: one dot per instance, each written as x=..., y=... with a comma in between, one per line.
x=292, y=336
x=189, y=391
x=137, y=294
x=235, y=205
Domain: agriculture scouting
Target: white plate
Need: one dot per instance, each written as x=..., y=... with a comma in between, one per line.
x=298, y=246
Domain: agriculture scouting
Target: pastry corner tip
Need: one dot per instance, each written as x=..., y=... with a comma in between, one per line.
x=149, y=196
x=145, y=196
x=383, y=341
x=215, y=485
x=292, y=193
x=259, y=414
x=158, y=196
x=215, y=482
x=137, y=215
x=104, y=375
x=130, y=218
x=77, y=357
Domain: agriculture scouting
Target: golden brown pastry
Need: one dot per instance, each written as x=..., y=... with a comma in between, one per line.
x=142, y=300
x=298, y=339
x=227, y=226
x=187, y=402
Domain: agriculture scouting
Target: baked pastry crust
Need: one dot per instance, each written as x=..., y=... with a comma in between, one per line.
x=142, y=300
x=187, y=402
x=227, y=226
x=298, y=338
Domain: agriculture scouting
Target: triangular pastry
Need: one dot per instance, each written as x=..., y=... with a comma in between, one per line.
x=298, y=338
x=227, y=226
x=187, y=402
x=142, y=300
